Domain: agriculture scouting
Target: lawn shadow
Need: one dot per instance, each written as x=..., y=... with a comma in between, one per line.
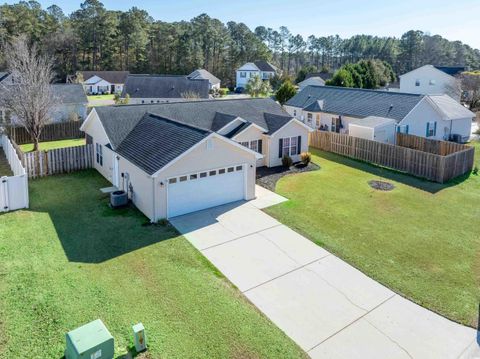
x=406, y=179
x=88, y=229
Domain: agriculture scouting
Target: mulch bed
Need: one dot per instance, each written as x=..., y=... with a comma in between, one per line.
x=267, y=177
x=381, y=185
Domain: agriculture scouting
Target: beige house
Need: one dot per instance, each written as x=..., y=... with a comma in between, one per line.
x=176, y=158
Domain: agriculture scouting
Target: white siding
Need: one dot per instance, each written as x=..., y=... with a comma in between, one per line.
x=293, y=129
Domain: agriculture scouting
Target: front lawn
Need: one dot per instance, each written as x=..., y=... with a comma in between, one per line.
x=101, y=97
x=71, y=259
x=422, y=239
x=50, y=145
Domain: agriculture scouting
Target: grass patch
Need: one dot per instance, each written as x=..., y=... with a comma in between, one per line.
x=101, y=97
x=71, y=259
x=421, y=239
x=50, y=145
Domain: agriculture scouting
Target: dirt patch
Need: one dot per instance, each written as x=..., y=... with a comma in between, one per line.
x=381, y=185
x=268, y=177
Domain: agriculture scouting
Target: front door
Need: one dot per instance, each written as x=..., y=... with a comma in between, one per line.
x=335, y=124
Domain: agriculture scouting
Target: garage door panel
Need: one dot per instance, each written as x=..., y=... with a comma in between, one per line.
x=201, y=193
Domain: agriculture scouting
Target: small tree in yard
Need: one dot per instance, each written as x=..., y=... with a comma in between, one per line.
x=285, y=92
x=30, y=100
x=257, y=87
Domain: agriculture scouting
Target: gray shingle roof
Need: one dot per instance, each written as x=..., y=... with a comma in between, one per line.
x=164, y=86
x=357, y=102
x=209, y=115
x=276, y=121
x=203, y=74
x=265, y=66
x=114, y=77
x=155, y=141
x=70, y=93
x=238, y=129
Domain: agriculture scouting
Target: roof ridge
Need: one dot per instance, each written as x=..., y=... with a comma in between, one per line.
x=189, y=101
x=366, y=90
x=164, y=118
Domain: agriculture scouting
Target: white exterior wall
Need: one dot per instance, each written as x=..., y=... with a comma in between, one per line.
x=292, y=129
x=382, y=133
x=251, y=134
x=417, y=121
x=200, y=159
x=137, y=101
x=442, y=83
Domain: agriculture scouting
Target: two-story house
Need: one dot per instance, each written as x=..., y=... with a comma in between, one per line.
x=433, y=80
x=263, y=69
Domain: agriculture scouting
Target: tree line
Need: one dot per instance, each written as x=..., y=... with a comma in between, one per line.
x=95, y=38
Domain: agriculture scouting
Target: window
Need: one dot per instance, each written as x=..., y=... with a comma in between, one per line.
x=230, y=169
x=212, y=173
x=99, y=154
x=289, y=146
x=143, y=101
x=245, y=144
x=318, y=122
x=172, y=180
x=239, y=168
x=417, y=82
x=295, y=113
x=203, y=174
x=193, y=177
x=183, y=178
x=402, y=128
x=309, y=117
x=254, y=145
x=431, y=129
x=243, y=74
x=432, y=82
x=222, y=171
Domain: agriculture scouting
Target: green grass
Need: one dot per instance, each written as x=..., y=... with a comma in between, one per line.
x=422, y=239
x=50, y=145
x=101, y=97
x=71, y=259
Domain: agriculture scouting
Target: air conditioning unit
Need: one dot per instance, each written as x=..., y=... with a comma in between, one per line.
x=118, y=199
x=456, y=138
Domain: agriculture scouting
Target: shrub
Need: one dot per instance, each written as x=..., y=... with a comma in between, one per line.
x=223, y=91
x=475, y=171
x=305, y=157
x=287, y=161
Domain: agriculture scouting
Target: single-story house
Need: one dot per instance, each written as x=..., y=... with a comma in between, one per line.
x=263, y=69
x=311, y=81
x=103, y=82
x=176, y=158
x=144, y=89
x=332, y=109
x=433, y=80
x=202, y=74
x=71, y=105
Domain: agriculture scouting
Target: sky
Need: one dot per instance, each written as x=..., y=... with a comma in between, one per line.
x=452, y=19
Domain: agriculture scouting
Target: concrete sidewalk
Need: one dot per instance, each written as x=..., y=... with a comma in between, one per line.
x=329, y=308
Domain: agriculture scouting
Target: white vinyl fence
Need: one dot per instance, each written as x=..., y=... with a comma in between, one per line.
x=13, y=189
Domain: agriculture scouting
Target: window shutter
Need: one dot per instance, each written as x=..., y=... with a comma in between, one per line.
x=406, y=129
x=259, y=146
x=435, y=128
x=398, y=128
x=428, y=128
x=299, y=145
x=280, y=145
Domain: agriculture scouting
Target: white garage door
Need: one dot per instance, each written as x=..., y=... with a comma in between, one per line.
x=201, y=190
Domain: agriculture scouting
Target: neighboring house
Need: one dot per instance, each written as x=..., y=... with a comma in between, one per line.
x=263, y=69
x=432, y=80
x=103, y=82
x=144, y=89
x=311, y=81
x=333, y=109
x=176, y=158
x=72, y=103
x=201, y=74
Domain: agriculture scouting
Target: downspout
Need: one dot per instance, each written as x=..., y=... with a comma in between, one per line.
x=153, y=201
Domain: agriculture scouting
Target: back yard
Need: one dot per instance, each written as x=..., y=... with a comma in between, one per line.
x=71, y=259
x=421, y=239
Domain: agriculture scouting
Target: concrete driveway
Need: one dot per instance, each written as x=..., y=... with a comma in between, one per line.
x=326, y=306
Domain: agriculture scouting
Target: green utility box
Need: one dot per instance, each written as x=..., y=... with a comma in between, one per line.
x=90, y=341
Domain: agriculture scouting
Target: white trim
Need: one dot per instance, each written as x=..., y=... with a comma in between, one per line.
x=228, y=124
x=293, y=120
x=213, y=134
x=261, y=129
x=87, y=120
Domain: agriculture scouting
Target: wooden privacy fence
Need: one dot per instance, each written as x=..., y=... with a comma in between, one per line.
x=51, y=132
x=442, y=148
x=432, y=166
x=57, y=161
